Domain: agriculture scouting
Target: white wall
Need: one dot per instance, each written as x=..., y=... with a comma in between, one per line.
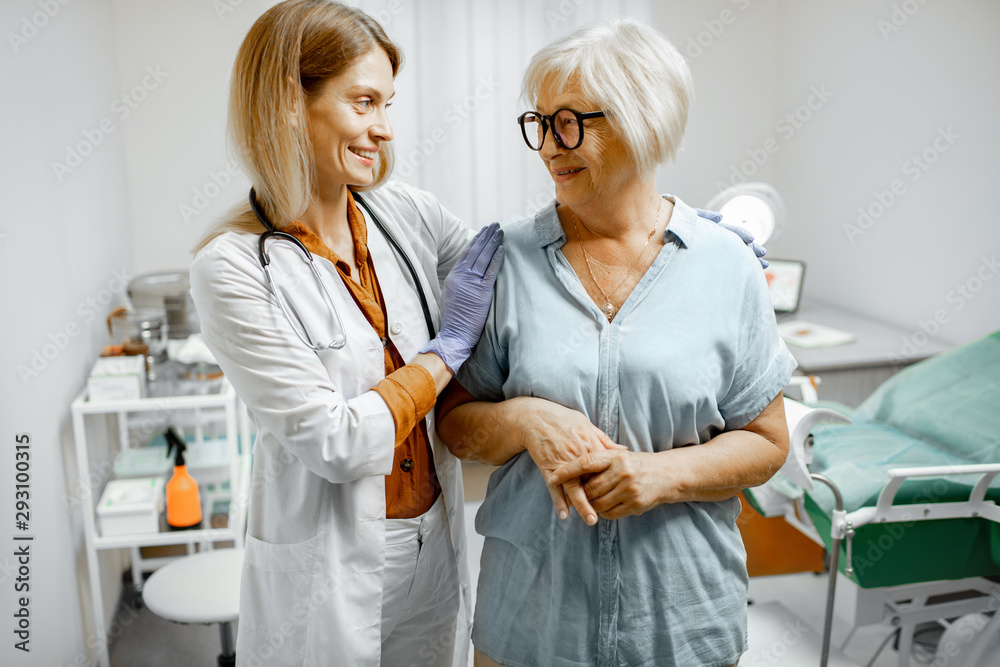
x=61, y=244
x=894, y=90
x=867, y=85
x=732, y=49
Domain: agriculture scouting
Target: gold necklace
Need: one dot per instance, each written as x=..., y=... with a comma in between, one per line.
x=608, y=308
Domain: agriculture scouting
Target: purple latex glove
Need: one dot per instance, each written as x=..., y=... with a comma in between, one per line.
x=747, y=237
x=466, y=297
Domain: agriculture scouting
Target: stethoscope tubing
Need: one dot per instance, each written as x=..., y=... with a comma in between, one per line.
x=339, y=340
x=425, y=306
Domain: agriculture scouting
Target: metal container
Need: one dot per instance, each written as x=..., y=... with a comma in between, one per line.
x=171, y=291
x=140, y=331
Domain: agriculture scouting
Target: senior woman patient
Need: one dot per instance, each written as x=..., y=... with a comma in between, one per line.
x=630, y=363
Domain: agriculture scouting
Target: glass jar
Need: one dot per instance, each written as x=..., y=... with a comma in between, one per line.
x=141, y=331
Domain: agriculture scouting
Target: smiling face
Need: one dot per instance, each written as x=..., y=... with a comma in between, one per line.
x=599, y=167
x=348, y=122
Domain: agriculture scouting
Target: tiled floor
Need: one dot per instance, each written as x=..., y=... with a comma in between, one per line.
x=802, y=597
x=150, y=641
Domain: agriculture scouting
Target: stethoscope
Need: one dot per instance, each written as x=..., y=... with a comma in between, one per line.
x=339, y=337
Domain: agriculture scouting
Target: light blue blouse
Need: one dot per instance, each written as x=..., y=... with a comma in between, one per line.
x=693, y=352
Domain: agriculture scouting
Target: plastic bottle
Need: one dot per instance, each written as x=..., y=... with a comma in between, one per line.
x=183, y=498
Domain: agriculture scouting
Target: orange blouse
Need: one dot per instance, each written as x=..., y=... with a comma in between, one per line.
x=408, y=390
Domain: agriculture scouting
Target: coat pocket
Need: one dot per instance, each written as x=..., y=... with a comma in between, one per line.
x=276, y=607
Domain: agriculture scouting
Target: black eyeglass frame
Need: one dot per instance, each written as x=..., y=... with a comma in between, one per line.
x=548, y=121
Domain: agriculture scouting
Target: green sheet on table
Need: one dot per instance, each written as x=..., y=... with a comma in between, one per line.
x=940, y=412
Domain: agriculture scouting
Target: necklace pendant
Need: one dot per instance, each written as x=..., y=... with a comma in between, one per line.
x=609, y=311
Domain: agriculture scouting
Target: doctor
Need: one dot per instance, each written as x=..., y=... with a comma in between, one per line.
x=355, y=539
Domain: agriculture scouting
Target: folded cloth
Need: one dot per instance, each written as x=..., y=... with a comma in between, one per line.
x=194, y=351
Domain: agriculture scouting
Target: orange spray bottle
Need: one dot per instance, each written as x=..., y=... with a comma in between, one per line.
x=183, y=499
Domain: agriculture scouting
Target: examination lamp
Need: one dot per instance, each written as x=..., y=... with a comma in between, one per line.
x=757, y=207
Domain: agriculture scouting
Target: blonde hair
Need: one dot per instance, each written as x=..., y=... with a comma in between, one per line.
x=283, y=63
x=629, y=69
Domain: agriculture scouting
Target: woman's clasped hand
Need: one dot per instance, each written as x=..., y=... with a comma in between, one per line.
x=619, y=482
x=557, y=437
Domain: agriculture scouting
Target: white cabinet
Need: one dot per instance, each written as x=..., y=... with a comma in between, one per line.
x=105, y=431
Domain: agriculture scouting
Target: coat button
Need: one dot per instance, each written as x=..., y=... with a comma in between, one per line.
x=406, y=465
x=396, y=327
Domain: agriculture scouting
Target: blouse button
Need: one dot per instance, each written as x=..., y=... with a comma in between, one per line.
x=385, y=342
x=406, y=465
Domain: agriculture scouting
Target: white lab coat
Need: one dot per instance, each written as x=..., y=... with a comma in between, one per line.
x=311, y=590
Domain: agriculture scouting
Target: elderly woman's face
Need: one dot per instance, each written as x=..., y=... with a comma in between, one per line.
x=348, y=121
x=598, y=167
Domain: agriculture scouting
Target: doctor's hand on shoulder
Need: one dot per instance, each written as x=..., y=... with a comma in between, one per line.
x=466, y=298
x=742, y=232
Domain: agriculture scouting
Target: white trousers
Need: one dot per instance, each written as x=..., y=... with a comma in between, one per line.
x=420, y=592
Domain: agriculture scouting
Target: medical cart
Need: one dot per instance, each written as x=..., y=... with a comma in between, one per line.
x=105, y=432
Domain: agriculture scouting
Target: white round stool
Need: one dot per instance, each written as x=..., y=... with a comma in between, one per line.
x=201, y=588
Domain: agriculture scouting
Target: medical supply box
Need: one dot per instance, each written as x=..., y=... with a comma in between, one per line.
x=117, y=378
x=130, y=506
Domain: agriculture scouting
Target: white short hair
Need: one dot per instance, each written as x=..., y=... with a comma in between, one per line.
x=630, y=69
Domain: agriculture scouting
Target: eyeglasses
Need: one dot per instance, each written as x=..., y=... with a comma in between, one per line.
x=566, y=124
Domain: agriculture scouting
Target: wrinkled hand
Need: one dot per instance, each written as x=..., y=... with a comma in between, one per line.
x=554, y=436
x=747, y=237
x=622, y=482
x=466, y=297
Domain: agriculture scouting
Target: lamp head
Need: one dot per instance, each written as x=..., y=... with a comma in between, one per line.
x=757, y=207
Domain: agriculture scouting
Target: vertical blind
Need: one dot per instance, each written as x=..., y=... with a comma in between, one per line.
x=458, y=95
